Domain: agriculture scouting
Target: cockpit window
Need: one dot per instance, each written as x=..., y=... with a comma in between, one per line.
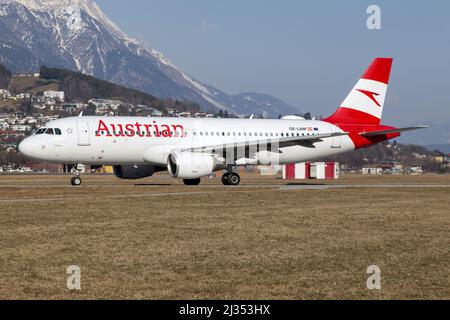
x=50, y=131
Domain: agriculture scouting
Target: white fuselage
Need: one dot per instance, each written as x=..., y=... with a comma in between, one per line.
x=139, y=140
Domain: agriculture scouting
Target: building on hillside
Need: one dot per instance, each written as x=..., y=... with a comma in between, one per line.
x=4, y=125
x=170, y=111
x=200, y=115
x=27, y=74
x=439, y=159
x=29, y=120
x=23, y=96
x=185, y=114
x=156, y=113
x=5, y=94
x=391, y=168
x=105, y=104
x=415, y=170
x=71, y=107
x=21, y=127
x=59, y=95
x=11, y=134
x=371, y=169
x=152, y=111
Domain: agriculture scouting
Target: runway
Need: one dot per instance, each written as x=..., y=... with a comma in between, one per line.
x=299, y=186
x=85, y=192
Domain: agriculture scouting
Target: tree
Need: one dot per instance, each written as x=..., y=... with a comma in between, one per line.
x=26, y=107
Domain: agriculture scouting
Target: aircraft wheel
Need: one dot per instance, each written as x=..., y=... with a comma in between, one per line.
x=234, y=179
x=225, y=179
x=76, y=181
x=191, y=182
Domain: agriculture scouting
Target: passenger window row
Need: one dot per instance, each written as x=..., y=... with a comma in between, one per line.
x=256, y=134
x=210, y=133
x=57, y=131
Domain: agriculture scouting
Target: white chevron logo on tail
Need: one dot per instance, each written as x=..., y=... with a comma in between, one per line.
x=367, y=96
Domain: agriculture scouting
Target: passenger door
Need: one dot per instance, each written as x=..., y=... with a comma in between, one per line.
x=84, y=138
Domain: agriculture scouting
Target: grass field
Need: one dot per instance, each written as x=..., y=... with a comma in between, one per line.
x=157, y=239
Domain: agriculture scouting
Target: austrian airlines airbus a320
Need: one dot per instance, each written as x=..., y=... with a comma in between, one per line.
x=190, y=149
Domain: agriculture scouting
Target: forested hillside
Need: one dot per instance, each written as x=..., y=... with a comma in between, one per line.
x=406, y=154
x=5, y=77
x=81, y=87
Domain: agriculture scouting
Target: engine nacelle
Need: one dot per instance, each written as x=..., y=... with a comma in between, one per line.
x=134, y=171
x=190, y=165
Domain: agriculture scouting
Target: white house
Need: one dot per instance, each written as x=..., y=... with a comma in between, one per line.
x=416, y=170
x=20, y=127
x=371, y=169
x=4, y=125
x=5, y=94
x=54, y=95
x=105, y=104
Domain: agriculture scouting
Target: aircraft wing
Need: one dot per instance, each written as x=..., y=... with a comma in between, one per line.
x=383, y=132
x=281, y=142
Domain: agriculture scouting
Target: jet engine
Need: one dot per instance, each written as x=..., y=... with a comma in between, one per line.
x=190, y=165
x=135, y=171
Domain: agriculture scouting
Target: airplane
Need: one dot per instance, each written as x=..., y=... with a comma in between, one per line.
x=190, y=148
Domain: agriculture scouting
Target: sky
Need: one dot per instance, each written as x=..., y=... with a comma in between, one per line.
x=308, y=53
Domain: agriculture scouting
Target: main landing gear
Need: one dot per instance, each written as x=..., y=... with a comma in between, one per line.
x=228, y=179
x=231, y=179
x=76, y=180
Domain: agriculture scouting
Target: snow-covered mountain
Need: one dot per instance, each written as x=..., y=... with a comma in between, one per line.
x=76, y=34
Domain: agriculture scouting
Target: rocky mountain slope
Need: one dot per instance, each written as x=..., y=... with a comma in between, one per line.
x=77, y=35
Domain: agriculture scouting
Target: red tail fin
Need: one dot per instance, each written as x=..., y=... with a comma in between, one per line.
x=364, y=104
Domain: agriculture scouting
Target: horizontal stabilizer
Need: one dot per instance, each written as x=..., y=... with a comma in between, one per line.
x=383, y=132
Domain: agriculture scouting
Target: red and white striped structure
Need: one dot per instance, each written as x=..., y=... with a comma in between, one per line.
x=311, y=170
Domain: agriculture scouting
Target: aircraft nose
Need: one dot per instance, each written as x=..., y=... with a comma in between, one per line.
x=26, y=147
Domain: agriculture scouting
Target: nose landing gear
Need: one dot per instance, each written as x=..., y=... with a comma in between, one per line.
x=76, y=180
